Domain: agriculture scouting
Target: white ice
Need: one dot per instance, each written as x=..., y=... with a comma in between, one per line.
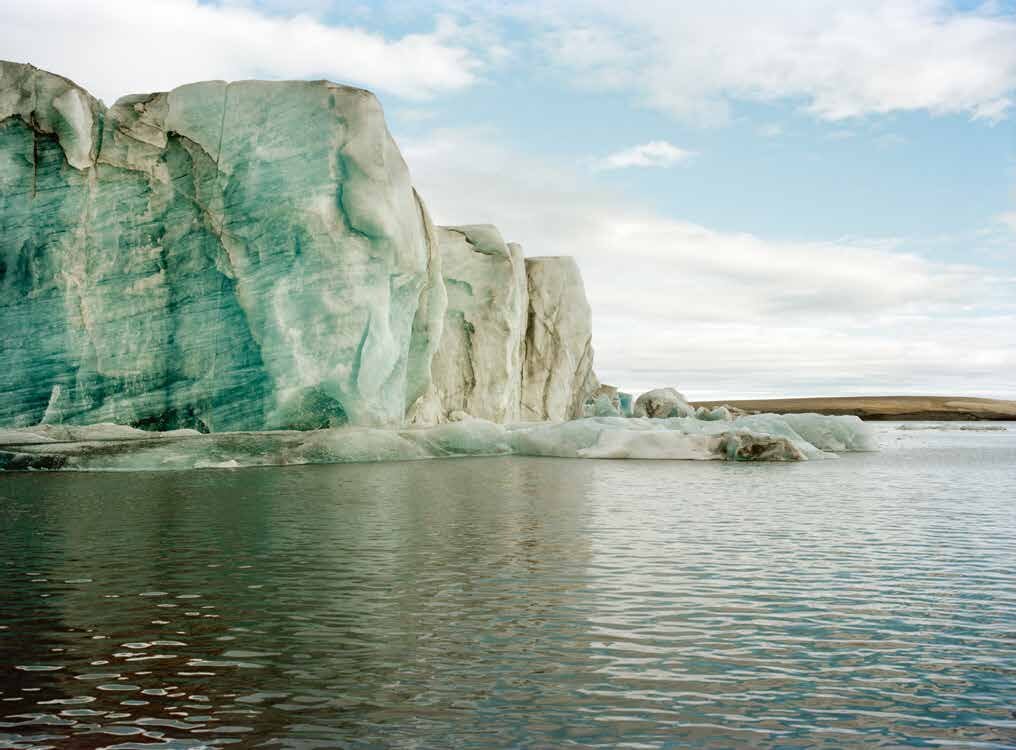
x=767, y=437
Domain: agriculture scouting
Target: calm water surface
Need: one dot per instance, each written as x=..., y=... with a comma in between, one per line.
x=518, y=602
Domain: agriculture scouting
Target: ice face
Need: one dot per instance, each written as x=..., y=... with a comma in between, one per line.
x=557, y=376
x=477, y=368
x=252, y=255
x=221, y=256
x=517, y=334
x=764, y=437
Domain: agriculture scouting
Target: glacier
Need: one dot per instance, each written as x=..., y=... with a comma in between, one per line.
x=252, y=256
x=242, y=274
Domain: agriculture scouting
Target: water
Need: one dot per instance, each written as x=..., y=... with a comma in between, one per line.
x=518, y=602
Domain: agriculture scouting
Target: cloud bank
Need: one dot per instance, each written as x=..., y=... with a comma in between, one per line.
x=839, y=60
x=691, y=60
x=724, y=314
x=117, y=47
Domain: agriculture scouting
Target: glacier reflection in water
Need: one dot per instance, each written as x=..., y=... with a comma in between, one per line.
x=513, y=601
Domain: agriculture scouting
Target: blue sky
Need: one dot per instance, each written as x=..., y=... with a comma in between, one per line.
x=796, y=197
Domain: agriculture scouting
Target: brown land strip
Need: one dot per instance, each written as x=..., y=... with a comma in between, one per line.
x=935, y=408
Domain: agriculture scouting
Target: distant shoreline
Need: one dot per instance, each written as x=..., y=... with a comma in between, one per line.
x=883, y=408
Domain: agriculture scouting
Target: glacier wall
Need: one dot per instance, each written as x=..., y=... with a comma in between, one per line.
x=557, y=373
x=227, y=256
x=252, y=255
x=477, y=369
x=516, y=343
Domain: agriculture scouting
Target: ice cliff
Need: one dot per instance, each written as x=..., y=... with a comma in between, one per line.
x=252, y=255
x=477, y=369
x=558, y=370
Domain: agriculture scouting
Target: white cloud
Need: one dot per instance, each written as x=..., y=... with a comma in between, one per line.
x=842, y=60
x=1008, y=219
x=116, y=47
x=723, y=313
x=652, y=154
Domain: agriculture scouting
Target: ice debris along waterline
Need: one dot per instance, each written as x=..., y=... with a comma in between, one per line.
x=760, y=437
x=253, y=256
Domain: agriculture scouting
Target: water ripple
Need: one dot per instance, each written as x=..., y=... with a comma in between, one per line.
x=865, y=602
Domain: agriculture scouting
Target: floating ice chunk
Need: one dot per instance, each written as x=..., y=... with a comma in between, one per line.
x=719, y=414
x=470, y=437
x=48, y=433
x=743, y=445
x=833, y=433
x=601, y=406
x=607, y=401
x=662, y=403
x=560, y=439
x=653, y=444
x=645, y=438
x=353, y=445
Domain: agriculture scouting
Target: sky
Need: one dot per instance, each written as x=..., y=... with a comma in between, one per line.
x=781, y=198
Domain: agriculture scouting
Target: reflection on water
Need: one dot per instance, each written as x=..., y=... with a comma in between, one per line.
x=869, y=601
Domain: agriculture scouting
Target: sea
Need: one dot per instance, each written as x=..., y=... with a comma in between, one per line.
x=864, y=601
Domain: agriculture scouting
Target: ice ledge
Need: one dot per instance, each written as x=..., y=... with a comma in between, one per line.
x=763, y=437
